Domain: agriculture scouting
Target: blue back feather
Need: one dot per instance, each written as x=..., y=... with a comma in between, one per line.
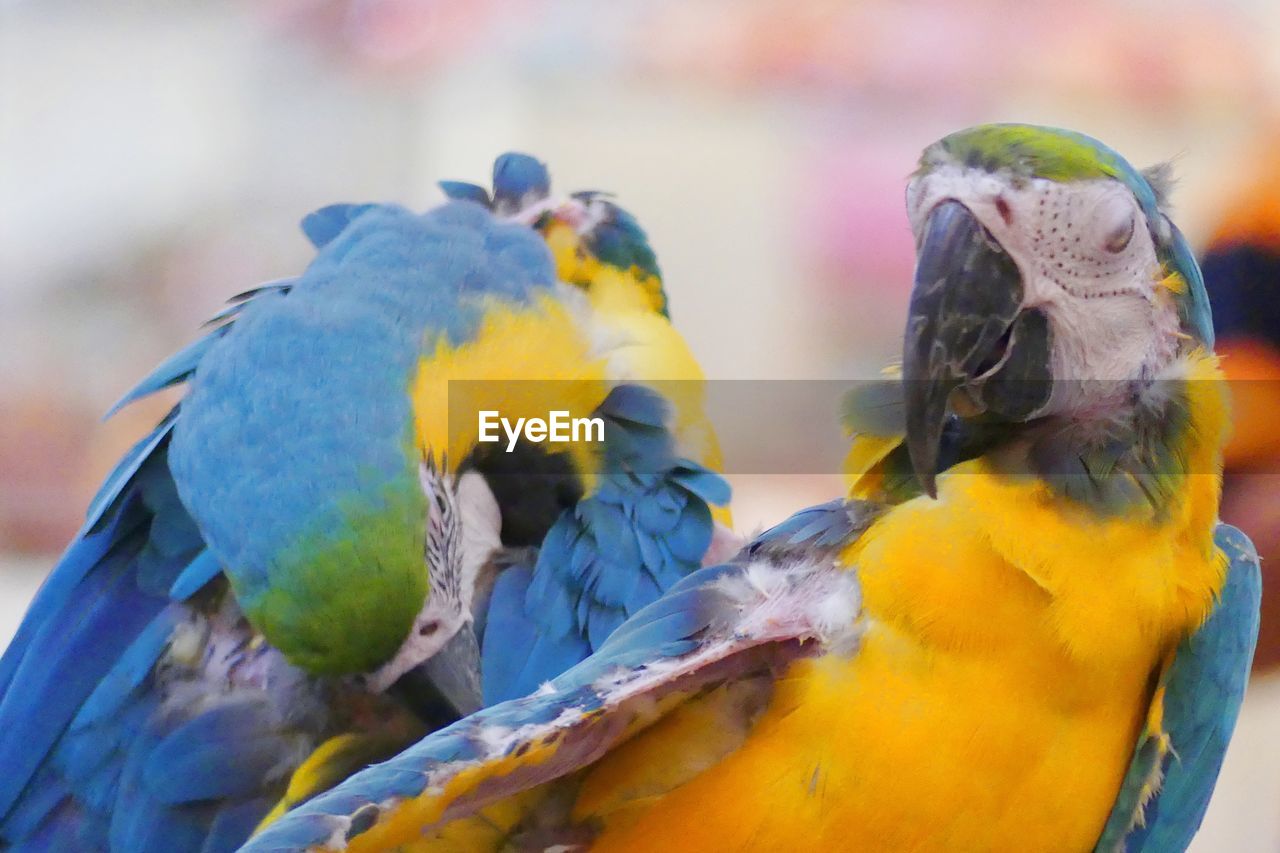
x=358, y=315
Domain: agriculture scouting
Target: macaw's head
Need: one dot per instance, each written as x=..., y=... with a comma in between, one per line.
x=1049, y=282
x=598, y=246
x=441, y=652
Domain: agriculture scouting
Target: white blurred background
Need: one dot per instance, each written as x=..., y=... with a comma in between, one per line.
x=156, y=157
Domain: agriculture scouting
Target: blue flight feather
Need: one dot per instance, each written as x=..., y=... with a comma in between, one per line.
x=234, y=823
x=37, y=801
x=702, y=483
x=1204, y=688
x=237, y=303
x=76, y=679
x=506, y=646
x=638, y=404
x=115, y=484
x=173, y=370
x=63, y=665
x=195, y=576
x=224, y=752
x=825, y=525
x=80, y=558
x=133, y=666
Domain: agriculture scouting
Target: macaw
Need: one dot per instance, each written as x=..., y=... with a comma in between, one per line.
x=313, y=560
x=1025, y=630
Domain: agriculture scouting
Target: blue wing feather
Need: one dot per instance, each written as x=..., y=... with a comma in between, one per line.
x=500, y=660
x=128, y=673
x=233, y=824
x=75, y=682
x=64, y=663
x=36, y=803
x=53, y=837
x=1204, y=688
x=709, y=486
x=192, y=762
x=80, y=558
x=107, y=494
x=174, y=370
x=202, y=569
x=604, y=559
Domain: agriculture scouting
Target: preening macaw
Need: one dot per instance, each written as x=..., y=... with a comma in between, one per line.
x=1026, y=629
x=308, y=564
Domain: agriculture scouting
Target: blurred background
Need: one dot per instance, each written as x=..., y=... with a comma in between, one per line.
x=156, y=157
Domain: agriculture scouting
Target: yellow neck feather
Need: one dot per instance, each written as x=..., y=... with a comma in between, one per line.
x=1129, y=584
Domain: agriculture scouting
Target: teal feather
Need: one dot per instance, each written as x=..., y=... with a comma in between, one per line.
x=1204, y=688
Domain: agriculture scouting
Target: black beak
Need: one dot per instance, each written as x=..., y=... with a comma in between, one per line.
x=446, y=687
x=967, y=296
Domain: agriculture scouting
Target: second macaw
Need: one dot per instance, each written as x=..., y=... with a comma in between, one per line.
x=1026, y=631
x=314, y=559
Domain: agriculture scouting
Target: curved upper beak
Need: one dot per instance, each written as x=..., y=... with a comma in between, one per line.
x=446, y=686
x=967, y=294
x=455, y=670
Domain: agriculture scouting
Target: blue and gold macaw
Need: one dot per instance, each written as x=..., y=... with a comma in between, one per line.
x=314, y=560
x=1025, y=630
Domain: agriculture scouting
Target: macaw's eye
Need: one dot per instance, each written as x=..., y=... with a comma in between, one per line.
x=1116, y=219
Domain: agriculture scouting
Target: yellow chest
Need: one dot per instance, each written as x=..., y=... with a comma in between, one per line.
x=1004, y=674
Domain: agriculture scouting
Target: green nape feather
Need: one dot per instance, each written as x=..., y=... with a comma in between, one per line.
x=1028, y=151
x=343, y=598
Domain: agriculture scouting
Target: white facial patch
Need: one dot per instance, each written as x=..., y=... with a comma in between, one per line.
x=1087, y=260
x=481, y=533
x=434, y=626
x=464, y=529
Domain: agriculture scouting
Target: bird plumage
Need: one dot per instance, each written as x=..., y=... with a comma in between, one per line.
x=1015, y=664
x=260, y=584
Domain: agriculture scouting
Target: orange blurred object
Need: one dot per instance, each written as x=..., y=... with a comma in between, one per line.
x=1252, y=368
x=1252, y=215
